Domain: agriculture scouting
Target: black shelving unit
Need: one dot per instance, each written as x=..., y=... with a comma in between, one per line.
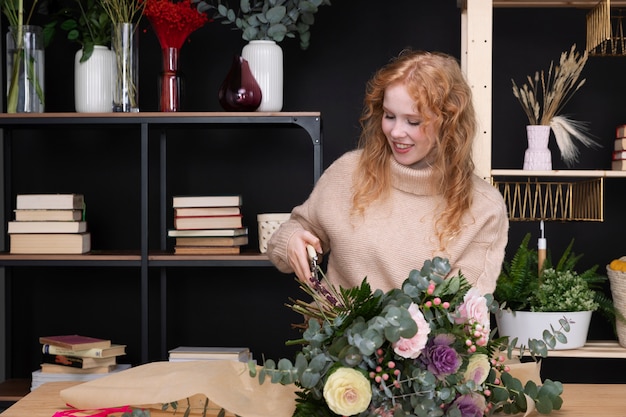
x=148, y=125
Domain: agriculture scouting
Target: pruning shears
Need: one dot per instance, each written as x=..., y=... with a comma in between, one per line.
x=313, y=258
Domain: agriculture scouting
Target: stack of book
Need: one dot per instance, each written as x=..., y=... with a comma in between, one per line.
x=209, y=353
x=49, y=224
x=77, y=358
x=619, y=149
x=208, y=225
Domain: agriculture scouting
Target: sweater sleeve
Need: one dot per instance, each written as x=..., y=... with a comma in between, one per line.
x=308, y=215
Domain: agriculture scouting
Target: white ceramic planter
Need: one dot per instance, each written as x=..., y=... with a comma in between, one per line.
x=94, y=80
x=266, y=63
x=530, y=325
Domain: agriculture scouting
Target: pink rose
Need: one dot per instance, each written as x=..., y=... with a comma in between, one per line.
x=474, y=310
x=411, y=348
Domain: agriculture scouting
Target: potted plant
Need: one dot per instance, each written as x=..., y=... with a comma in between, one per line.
x=557, y=294
x=264, y=24
x=87, y=23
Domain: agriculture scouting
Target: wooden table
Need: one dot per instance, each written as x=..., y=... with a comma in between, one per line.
x=580, y=400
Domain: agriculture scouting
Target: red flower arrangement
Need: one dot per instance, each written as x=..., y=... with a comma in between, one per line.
x=173, y=21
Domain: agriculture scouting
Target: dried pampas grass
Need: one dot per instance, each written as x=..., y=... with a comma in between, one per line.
x=543, y=98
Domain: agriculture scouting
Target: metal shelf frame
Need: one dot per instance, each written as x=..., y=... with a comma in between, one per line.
x=147, y=123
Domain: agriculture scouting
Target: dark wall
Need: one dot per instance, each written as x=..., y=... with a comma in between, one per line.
x=272, y=169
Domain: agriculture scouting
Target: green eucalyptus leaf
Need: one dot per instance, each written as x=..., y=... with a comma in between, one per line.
x=309, y=378
x=499, y=394
x=244, y=5
x=544, y=404
x=275, y=14
x=277, y=32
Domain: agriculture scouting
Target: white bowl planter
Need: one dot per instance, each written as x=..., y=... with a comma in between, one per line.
x=530, y=325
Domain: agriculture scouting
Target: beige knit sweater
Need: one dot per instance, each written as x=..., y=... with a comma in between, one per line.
x=395, y=235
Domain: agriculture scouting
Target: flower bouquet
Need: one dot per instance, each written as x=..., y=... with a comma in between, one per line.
x=425, y=349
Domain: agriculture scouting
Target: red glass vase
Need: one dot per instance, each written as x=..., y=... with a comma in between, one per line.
x=240, y=90
x=170, y=82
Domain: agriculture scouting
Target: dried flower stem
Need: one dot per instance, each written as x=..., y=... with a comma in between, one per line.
x=542, y=98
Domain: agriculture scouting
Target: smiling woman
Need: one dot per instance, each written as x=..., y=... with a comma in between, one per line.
x=408, y=192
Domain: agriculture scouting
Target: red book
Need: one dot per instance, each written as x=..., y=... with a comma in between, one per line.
x=75, y=342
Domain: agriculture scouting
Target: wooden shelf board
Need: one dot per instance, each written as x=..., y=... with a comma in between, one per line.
x=582, y=4
x=91, y=256
x=593, y=349
x=160, y=115
x=14, y=389
x=244, y=256
x=589, y=173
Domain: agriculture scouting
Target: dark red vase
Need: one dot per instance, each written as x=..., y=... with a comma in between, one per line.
x=240, y=91
x=170, y=81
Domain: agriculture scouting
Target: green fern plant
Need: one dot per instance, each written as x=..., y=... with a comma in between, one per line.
x=519, y=286
x=518, y=279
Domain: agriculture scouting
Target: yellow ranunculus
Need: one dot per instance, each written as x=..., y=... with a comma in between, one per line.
x=477, y=368
x=347, y=392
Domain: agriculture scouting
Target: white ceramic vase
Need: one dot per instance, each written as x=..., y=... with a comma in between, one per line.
x=530, y=325
x=94, y=80
x=266, y=63
x=538, y=156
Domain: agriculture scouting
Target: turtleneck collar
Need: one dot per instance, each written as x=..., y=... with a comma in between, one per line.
x=414, y=179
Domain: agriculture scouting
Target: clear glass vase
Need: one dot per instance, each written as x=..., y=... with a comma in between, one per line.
x=125, y=44
x=25, y=69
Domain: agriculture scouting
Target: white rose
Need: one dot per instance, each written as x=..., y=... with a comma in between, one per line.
x=347, y=392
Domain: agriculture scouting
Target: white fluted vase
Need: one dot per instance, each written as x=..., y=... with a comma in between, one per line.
x=538, y=156
x=94, y=81
x=266, y=63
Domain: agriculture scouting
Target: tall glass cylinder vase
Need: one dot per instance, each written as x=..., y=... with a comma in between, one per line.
x=170, y=81
x=125, y=44
x=25, y=69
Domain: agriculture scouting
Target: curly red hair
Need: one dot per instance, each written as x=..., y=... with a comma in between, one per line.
x=442, y=96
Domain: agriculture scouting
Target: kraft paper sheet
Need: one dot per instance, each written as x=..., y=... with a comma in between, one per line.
x=225, y=383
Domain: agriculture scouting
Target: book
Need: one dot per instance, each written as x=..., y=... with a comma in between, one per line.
x=208, y=222
x=49, y=201
x=207, y=250
x=238, y=231
x=620, y=131
x=51, y=368
x=46, y=227
x=212, y=241
x=39, y=378
x=25, y=215
x=210, y=353
x=50, y=243
x=207, y=201
x=619, y=144
x=618, y=155
x=75, y=341
x=619, y=165
x=206, y=211
x=114, y=350
x=77, y=361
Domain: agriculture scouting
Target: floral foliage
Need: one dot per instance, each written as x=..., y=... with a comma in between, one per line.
x=425, y=349
x=173, y=21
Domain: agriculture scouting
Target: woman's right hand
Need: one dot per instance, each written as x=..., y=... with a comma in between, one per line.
x=297, y=254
